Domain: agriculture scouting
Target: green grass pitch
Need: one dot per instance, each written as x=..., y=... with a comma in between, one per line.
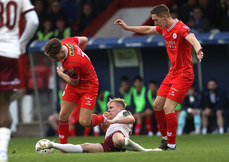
x=193, y=148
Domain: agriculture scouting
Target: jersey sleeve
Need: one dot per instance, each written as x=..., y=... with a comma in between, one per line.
x=126, y=113
x=76, y=40
x=159, y=31
x=186, y=31
x=73, y=73
x=27, y=6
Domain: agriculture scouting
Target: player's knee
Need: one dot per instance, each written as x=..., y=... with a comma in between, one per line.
x=84, y=123
x=219, y=113
x=118, y=140
x=157, y=106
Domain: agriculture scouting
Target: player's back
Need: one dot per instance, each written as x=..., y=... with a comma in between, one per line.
x=10, y=12
x=79, y=62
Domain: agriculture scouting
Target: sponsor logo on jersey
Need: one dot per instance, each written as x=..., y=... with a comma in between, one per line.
x=174, y=36
x=170, y=44
x=71, y=49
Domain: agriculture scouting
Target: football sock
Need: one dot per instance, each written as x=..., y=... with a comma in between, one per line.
x=96, y=130
x=161, y=120
x=138, y=128
x=132, y=146
x=96, y=119
x=72, y=132
x=197, y=122
x=68, y=148
x=86, y=132
x=63, y=129
x=221, y=130
x=4, y=141
x=204, y=131
x=149, y=125
x=171, y=128
x=181, y=122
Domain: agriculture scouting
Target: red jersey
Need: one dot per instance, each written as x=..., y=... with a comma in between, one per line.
x=178, y=48
x=78, y=66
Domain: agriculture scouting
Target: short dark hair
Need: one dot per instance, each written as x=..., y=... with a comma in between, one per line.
x=153, y=82
x=53, y=47
x=160, y=10
x=212, y=79
x=138, y=78
x=124, y=79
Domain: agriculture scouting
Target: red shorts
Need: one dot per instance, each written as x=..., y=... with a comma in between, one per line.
x=86, y=100
x=9, y=74
x=108, y=145
x=175, y=87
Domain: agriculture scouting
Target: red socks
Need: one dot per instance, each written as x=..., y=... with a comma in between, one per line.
x=96, y=119
x=161, y=120
x=171, y=128
x=63, y=130
x=149, y=124
x=86, y=132
x=138, y=128
x=72, y=132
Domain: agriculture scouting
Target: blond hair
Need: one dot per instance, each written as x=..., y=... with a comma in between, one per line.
x=119, y=101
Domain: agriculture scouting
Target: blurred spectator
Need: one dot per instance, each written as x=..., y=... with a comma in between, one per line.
x=41, y=11
x=224, y=23
x=174, y=14
x=151, y=95
x=55, y=12
x=46, y=32
x=211, y=12
x=191, y=107
x=62, y=30
x=87, y=16
x=185, y=11
x=70, y=9
x=126, y=92
x=214, y=102
x=197, y=22
x=142, y=107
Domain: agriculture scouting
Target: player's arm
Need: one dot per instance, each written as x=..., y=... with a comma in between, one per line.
x=60, y=72
x=137, y=29
x=196, y=45
x=32, y=23
x=127, y=119
x=82, y=42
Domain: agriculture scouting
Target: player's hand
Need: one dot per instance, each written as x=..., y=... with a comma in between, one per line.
x=59, y=70
x=121, y=23
x=200, y=54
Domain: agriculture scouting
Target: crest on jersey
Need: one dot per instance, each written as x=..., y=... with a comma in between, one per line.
x=71, y=49
x=174, y=36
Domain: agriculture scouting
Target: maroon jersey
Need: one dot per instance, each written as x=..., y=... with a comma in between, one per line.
x=178, y=48
x=78, y=66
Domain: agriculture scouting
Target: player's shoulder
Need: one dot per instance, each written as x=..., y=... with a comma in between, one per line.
x=181, y=26
x=125, y=113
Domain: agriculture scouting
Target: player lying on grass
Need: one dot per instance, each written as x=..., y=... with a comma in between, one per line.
x=117, y=135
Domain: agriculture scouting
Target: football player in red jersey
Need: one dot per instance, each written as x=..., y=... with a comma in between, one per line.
x=11, y=46
x=178, y=41
x=82, y=82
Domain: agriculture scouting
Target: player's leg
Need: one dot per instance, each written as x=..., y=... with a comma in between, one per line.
x=147, y=114
x=205, y=114
x=63, y=128
x=171, y=121
x=138, y=125
x=220, y=123
x=197, y=121
x=87, y=118
x=5, y=123
x=80, y=148
x=122, y=142
x=53, y=121
x=181, y=122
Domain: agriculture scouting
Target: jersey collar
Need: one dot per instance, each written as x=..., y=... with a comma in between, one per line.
x=176, y=20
